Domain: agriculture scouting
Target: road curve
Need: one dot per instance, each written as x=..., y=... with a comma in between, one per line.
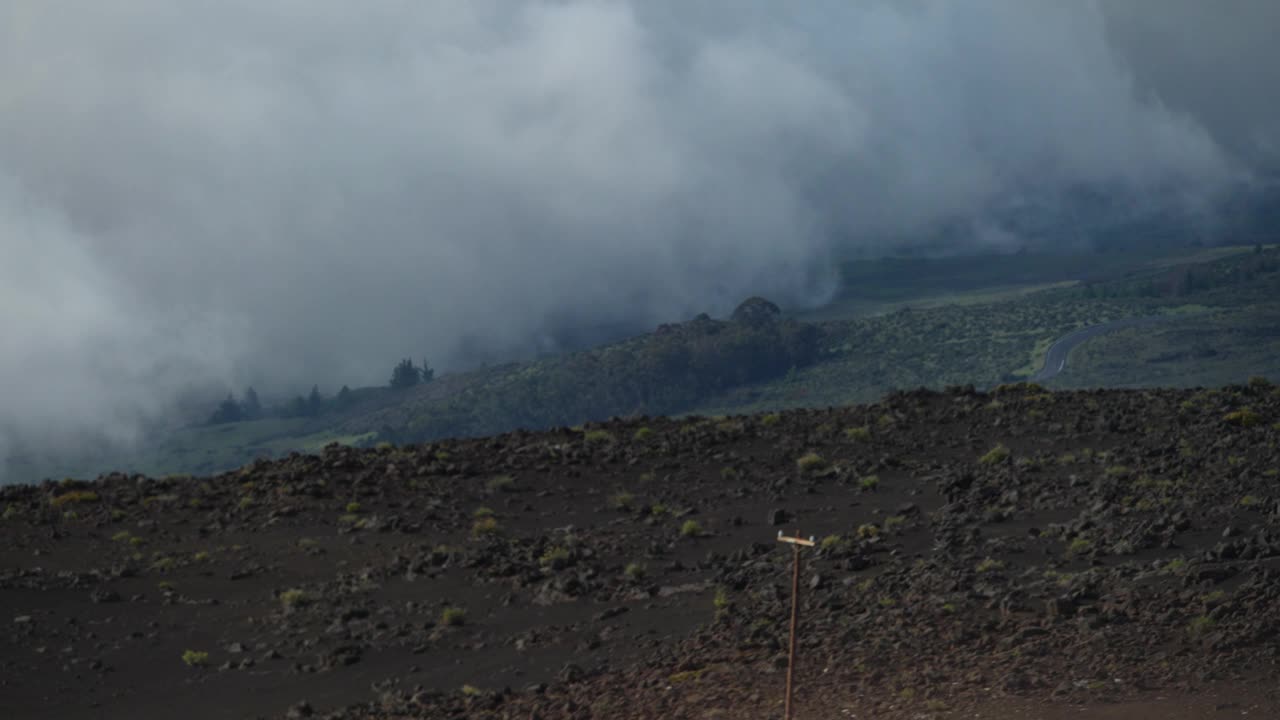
x=1055, y=360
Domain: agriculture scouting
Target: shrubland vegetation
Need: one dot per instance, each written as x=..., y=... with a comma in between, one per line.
x=1225, y=304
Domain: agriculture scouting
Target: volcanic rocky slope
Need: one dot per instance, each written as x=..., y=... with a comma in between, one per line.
x=1056, y=546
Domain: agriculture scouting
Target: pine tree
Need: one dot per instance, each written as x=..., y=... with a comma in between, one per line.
x=405, y=375
x=315, y=403
x=228, y=412
x=251, y=406
x=343, y=399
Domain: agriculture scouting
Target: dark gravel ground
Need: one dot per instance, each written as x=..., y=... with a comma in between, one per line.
x=1013, y=554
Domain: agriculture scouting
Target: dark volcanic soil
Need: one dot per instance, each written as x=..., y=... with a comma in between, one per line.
x=1005, y=555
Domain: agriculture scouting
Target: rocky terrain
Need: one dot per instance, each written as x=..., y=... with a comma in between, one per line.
x=1017, y=553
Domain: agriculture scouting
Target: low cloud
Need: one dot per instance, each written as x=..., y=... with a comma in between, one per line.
x=210, y=194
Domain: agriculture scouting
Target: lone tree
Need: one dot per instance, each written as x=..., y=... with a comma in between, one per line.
x=228, y=412
x=428, y=374
x=315, y=403
x=251, y=406
x=343, y=398
x=406, y=375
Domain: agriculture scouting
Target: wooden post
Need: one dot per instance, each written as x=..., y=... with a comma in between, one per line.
x=796, y=542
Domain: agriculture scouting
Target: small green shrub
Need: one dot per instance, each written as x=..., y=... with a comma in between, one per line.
x=453, y=617
x=501, y=483
x=598, y=437
x=195, y=658
x=810, y=462
x=1079, y=546
x=482, y=512
x=634, y=571
x=690, y=528
x=622, y=500
x=1201, y=625
x=869, y=482
x=472, y=691
x=1243, y=417
x=831, y=542
x=487, y=525
x=770, y=420
x=75, y=496
x=995, y=456
x=867, y=531
x=353, y=507
x=721, y=600
x=990, y=565
x=859, y=434
x=642, y=434
x=294, y=599
x=893, y=522
x=555, y=557
x=122, y=536
x=1250, y=501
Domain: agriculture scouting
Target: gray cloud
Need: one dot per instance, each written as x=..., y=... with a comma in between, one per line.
x=217, y=193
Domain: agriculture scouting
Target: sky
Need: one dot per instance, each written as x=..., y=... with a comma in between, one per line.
x=216, y=193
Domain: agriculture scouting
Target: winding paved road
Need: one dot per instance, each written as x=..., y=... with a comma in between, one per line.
x=1055, y=360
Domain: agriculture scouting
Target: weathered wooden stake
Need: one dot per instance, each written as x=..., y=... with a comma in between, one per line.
x=796, y=542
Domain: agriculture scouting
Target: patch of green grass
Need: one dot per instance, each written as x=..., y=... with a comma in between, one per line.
x=990, y=565
x=622, y=500
x=75, y=496
x=995, y=455
x=453, y=617
x=869, y=482
x=555, y=557
x=810, y=462
x=195, y=658
x=1201, y=625
x=353, y=508
x=1243, y=417
x=485, y=526
x=501, y=483
x=862, y=433
x=893, y=522
x=721, y=600
x=294, y=599
x=598, y=437
x=1080, y=546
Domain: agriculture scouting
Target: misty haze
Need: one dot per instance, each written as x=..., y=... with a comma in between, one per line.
x=206, y=197
x=378, y=268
